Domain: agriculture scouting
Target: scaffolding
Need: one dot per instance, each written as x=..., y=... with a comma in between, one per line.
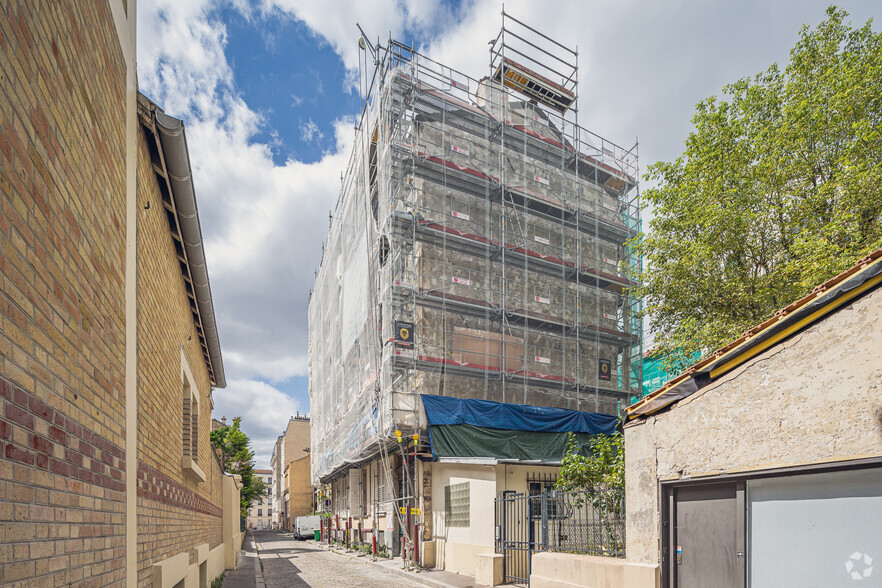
x=478, y=249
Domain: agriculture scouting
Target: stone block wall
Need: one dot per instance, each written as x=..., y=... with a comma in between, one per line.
x=62, y=327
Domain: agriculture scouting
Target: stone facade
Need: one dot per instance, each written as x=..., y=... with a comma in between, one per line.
x=97, y=336
x=815, y=398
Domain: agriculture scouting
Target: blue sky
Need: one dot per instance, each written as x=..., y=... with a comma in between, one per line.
x=268, y=93
x=282, y=70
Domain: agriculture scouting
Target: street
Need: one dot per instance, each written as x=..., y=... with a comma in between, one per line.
x=286, y=563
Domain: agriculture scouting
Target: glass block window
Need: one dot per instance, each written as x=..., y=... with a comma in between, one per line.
x=456, y=497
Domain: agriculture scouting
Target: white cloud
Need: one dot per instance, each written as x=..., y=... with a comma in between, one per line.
x=263, y=224
x=309, y=131
x=264, y=411
x=296, y=100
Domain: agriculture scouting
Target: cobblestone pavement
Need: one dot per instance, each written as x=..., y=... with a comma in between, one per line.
x=294, y=564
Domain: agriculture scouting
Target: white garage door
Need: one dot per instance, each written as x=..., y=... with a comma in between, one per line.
x=816, y=530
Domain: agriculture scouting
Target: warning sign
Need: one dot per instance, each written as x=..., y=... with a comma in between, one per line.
x=604, y=370
x=404, y=332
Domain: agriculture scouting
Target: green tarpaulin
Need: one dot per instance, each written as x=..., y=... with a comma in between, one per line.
x=471, y=441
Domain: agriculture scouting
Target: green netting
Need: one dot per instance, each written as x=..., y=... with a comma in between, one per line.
x=471, y=441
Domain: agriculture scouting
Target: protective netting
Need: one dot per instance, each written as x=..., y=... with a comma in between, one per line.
x=477, y=250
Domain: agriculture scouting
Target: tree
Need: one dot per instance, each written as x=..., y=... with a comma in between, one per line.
x=599, y=464
x=779, y=189
x=233, y=447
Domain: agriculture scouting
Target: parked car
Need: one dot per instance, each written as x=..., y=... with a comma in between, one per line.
x=305, y=527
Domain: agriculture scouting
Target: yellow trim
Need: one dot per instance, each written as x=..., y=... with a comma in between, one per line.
x=795, y=327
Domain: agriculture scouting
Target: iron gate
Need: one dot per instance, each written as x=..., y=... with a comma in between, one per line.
x=584, y=521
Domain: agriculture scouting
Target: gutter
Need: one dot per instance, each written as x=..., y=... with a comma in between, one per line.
x=171, y=164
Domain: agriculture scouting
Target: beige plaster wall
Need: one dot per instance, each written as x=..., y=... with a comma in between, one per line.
x=817, y=397
x=457, y=546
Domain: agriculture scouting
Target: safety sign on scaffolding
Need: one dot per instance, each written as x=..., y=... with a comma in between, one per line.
x=404, y=333
x=541, y=180
x=540, y=359
x=609, y=261
x=609, y=206
x=542, y=240
x=609, y=316
x=604, y=370
x=462, y=281
x=460, y=150
x=459, y=215
x=413, y=511
x=542, y=300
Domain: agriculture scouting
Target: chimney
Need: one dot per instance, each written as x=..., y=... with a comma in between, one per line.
x=224, y=420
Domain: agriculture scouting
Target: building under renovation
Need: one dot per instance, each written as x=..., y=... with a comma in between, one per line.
x=478, y=250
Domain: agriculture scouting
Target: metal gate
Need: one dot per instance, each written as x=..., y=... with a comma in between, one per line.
x=516, y=534
x=583, y=521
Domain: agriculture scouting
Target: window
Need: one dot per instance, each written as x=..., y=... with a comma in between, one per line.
x=260, y=512
x=189, y=421
x=456, y=498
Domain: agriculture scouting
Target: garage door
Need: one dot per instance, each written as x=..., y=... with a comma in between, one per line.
x=816, y=529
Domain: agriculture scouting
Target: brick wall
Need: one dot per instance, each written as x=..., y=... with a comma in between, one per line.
x=62, y=339
x=176, y=511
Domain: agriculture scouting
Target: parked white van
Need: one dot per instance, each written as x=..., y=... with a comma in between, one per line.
x=305, y=527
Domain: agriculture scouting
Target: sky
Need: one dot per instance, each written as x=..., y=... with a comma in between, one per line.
x=268, y=91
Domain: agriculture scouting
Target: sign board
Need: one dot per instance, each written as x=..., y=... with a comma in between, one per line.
x=604, y=370
x=404, y=332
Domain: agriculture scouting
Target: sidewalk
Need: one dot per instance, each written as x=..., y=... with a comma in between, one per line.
x=247, y=573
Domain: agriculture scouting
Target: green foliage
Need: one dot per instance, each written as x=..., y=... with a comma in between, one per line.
x=779, y=189
x=600, y=464
x=233, y=447
x=218, y=582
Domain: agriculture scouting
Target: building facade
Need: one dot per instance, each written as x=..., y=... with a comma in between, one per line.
x=260, y=515
x=762, y=464
x=292, y=484
x=276, y=464
x=477, y=251
x=108, y=346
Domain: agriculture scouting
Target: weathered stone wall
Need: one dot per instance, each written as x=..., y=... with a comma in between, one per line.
x=176, y=510
x=62, y=328
x=816, y=397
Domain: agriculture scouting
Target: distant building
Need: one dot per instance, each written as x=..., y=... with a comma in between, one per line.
x=292, y=483
x=260, y=515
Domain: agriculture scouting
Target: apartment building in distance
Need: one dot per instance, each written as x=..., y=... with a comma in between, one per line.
x=292, y=483
x=260, y=515
x=476, y=266
x=108, y=345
